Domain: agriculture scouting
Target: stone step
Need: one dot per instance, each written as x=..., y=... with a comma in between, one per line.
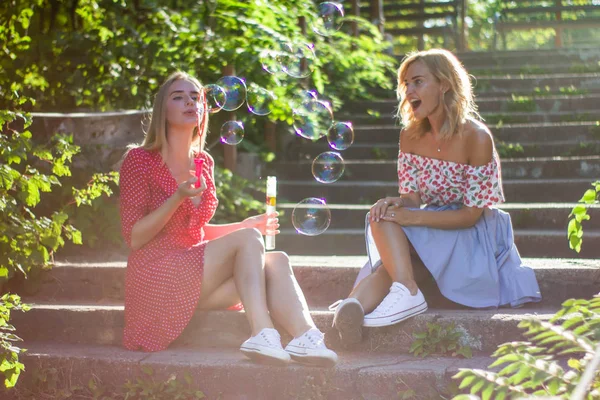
x=323, y=279
x=545, y=168
x=530, y=242
x=486, y=105
x=389, y=151
x=539, y=57
x=367, y=192
x=483, y=330
x=528, y=133
x=537, y=216
x=554, y=68
x=491, y=118
x=227, y=374
x=529, y=83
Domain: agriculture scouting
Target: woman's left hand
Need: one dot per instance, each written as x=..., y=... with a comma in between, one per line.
x=399, y=215
x=265, y=223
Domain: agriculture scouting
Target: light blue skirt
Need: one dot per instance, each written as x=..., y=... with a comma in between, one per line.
x=477, y=267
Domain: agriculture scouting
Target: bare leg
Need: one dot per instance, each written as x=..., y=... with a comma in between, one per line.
x=394, y=249
x=223, y=297
x=241, y=255
x=372, y=289
x=284, y=296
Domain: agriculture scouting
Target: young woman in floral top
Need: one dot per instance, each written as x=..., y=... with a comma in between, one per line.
x=449, y=182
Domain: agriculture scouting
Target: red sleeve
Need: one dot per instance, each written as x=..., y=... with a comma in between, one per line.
x=133, y=184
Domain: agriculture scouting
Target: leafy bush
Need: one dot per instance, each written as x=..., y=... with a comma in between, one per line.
x=579, y=214
x=30, y=235
x=104, y=45
x=10, y=366
x=28, y=240
x=440, y=340
x=237, y=197
x=535, y=368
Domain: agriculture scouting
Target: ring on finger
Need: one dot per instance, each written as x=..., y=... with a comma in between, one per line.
x=385, y=202
x=393, y=215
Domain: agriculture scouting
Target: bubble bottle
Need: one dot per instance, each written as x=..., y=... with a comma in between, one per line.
x=271, y=202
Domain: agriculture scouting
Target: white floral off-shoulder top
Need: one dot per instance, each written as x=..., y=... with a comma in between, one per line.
x=441, y=182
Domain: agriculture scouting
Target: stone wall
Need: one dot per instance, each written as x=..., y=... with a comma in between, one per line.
x=103, y=137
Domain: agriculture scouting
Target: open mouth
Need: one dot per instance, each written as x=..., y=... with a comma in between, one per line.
x=415, y=104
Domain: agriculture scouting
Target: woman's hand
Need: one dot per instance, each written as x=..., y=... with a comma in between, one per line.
x=189, y=189
x=265, y=223
x=380, y=208
x=400, y=215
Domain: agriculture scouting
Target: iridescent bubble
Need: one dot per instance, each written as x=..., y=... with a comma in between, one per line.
x=340, y=136
x=330, y=18
x=303, y=97
x=312, y=119
x=311, y=216
x=215, y=98
x=259, y=100
x=328, y=167
x=235, y=92
x=297, y=60
x=269, y=61
x=232, y=132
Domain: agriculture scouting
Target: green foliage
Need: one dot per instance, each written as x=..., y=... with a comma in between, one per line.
x=10, y=366
x=104, y=45
x=521, y=104
x=440, y=340
x=532, y=368
x=579, y=214
x=564, y=90
x=509, y=150
x=28, y=240
x=237, y=196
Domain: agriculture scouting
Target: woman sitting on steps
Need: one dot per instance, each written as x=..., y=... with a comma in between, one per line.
x=448, y=163
x=179, y=262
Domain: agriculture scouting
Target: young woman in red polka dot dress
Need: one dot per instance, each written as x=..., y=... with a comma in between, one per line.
x=179, y=262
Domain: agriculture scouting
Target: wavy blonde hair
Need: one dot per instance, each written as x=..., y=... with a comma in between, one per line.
x=458, y=101
x=156, y=136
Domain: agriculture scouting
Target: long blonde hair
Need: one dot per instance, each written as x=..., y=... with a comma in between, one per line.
x=458, y=101
x=156, y=136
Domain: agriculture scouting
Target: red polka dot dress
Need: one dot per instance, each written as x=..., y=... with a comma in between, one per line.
x=164, y=277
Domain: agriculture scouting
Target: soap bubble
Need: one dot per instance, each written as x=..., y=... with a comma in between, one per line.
x=328, y=167
x=297, y=60
x=330, y=18
x=311, y=216
x=215, y=98
x=259, y=100
x=235, y=92
x=312, y=119
x=232, y=132
x=340, y=136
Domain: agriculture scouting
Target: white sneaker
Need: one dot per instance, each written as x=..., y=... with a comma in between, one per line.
x=397, y=306
x=310, y=349
x=265, y=347
x=348, y=320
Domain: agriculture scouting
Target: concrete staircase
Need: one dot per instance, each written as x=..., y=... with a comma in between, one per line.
x=75, y=325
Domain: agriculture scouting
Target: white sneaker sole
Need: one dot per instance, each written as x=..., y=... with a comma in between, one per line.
x=265, y=355
x=348, y=322
x=395, y=318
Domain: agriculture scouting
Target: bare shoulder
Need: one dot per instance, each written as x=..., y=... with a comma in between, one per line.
x=480, y=142
x=407, y=141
